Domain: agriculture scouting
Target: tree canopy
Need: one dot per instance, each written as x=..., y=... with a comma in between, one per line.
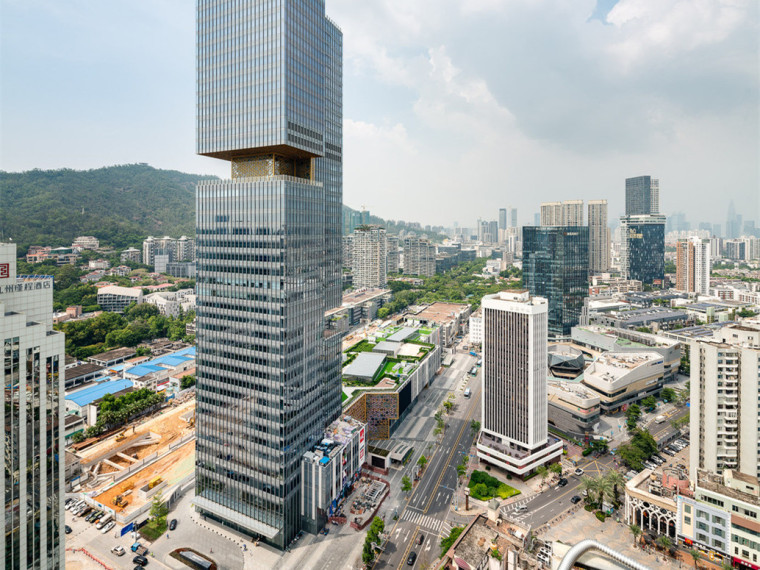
x=52, y=207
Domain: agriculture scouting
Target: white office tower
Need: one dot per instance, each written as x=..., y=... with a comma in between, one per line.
x=514, y=433
x=32, y=415
x=370, y=257
x=725, y=401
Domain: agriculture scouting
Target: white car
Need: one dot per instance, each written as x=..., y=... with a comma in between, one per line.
x=108, y=527
x=119, y=550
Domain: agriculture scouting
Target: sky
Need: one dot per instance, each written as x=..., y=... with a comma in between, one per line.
x=452, y=108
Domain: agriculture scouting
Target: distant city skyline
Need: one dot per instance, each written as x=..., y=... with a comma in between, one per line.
x=458, y=136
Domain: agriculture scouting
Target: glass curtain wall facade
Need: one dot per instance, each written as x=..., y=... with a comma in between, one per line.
x=31, y=372
x=643, y=248
x=555, y=266
x=642, y=196
x=269, y=256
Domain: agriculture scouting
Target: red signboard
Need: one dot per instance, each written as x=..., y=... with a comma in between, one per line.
x=744, y=563
x=5, y=270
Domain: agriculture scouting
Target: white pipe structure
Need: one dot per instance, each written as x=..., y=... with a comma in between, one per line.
x=585, y=545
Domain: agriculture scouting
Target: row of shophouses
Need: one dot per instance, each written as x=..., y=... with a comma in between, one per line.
x=716, y=514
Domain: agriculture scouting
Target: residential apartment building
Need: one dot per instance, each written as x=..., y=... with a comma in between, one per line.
x=721, y=519
x=642, y=252
x=348, y=251
x=394, y=258
x=693, y=265
x=598, y=237
x=419, y=256
x=725, y=399
x=642, y=196
x=514, y=434
x=116, y=299
x=167, y=249
x=370, y=257
x=567, y=213
x=131, y=254
x=33, y=448
x=85, y=242
x=269, y=88
x=555, y=266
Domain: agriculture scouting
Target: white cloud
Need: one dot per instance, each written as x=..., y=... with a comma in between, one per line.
x=653, y=29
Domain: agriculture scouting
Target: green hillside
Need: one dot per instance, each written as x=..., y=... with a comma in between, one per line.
x=120, y=205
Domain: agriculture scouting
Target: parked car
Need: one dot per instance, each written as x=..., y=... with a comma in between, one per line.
x=108, y=527
x=562, y=482
x=173, y=524
x=67, y=528
x=412, y=558
x=119, y=550
x=669, y=452
x=140, y=560
x=575, y=499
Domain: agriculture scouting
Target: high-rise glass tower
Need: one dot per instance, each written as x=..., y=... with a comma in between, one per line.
x=642, y=196
x=555, y=266
x=269, y=87
x=642, y=252
x=32, y=416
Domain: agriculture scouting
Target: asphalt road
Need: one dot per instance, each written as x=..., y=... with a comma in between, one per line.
x=429, y=503
x=554, y=501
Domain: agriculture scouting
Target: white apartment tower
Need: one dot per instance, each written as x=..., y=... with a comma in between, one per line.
x=567, y=213
x=725, y=401
x=369, y=259
x=514, y=405
x=419, y=256
x=32, y=416
x=598, y=237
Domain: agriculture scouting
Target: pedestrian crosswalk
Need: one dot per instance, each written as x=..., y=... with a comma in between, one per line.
x=416, y=517
x=511, y=511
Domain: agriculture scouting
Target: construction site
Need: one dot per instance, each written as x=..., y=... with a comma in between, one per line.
x=123, y=472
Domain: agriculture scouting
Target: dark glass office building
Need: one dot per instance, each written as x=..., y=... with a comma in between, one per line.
x=269, y=88
x=642, y=196
x=555, y=266
x=642, y=255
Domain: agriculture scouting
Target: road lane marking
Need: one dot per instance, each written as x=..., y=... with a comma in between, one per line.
x=473, y=407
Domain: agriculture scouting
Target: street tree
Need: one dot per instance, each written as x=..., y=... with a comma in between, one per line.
x=636, y=532
x=422, y=461
x=695, y=555
x=664, y=542
x=475, y=426
x=542, y=472
x=406, y=484
x=617, y=481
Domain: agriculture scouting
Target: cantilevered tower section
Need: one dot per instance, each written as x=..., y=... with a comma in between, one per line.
x=269, y=88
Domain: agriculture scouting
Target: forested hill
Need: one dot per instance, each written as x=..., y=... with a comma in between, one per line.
x=119, y=205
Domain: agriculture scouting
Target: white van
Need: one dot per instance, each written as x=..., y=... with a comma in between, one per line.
x=467, y=393
x=103, y=522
